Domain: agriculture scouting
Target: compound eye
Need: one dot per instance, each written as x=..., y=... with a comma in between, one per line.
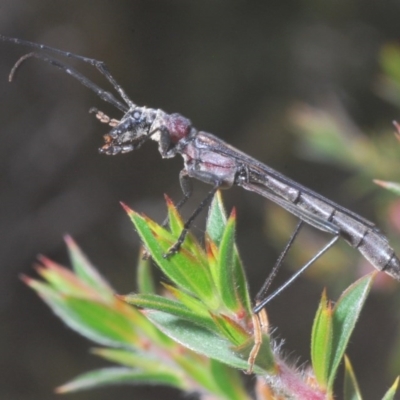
x=137, y=115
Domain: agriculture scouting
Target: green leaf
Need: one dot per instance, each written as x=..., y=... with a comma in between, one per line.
x=196, y=338
x=265, y=358
x=351, y=388
x=321, y=341
x=392, y=186
x=192, y=303
x=64, y=281
x=118, y=376
x=107, y=321
x=345, y=315
x=98, y=321
x=216, y=220
x=230, y=329
x=228, y=381
x=197, y=368
x=392, y=391
x=59, y=304
x=216, y=228
x=91, y=308
x=85, y=270
x=242, y=290
x=176, y=226
x=174, y=219
x=225, y=271
x=128, y=358
x=145, y=282
x=159, y=303
x=200, y=340
x=185, y=270
x=143, y=360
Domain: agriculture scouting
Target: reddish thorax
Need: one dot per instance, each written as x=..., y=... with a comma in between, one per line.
x=178, y=127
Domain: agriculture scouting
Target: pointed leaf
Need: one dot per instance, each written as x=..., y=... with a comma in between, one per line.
x=109, y=324
x=265, y=358
x=143, y=360
x=145, y=282
x=175, y=222
x=159, y=303
x=182, y=268
x=60, y=306
x=118, y=376
x=84, y=269
x=392, y=391
x=351, y=388
x=199, y=340
x=197, y=369
x=225, y=272
x=345, y=315
x=99, y=321
x=230, y=329
x=65, y=282
x=228, y=381
x=216, y=223
x=190, y=302
x=321, y=341
x=216, y=219
x=242, y=290
x=392, y=186
x=176, y=226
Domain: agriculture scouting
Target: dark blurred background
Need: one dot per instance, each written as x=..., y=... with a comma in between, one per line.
x=235, y=68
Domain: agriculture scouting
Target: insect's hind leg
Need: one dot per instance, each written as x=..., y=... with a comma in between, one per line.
x=259, y=318
x=263, y=302
x=264, y=289
x=260, y=328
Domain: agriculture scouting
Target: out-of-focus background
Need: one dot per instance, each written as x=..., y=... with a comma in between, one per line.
x=308, y=87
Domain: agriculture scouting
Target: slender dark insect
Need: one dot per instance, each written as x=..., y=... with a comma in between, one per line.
x=209, y=159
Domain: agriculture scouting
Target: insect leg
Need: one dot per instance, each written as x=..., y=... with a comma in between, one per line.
x=175, y=247
x=264, y=289
x=260, y=327
x=260, y=319
x=266, y=300
x=187, y=189
x=186, y=186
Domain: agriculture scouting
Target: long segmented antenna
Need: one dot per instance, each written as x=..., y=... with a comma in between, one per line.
x=103, y=94
x=100, y=65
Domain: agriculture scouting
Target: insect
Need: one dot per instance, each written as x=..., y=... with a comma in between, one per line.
x=211, y=160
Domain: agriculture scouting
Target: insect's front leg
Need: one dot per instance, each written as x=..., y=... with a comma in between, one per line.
x=165, y=141
x=186, y=184
x=187, y=189
x=165, y=145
